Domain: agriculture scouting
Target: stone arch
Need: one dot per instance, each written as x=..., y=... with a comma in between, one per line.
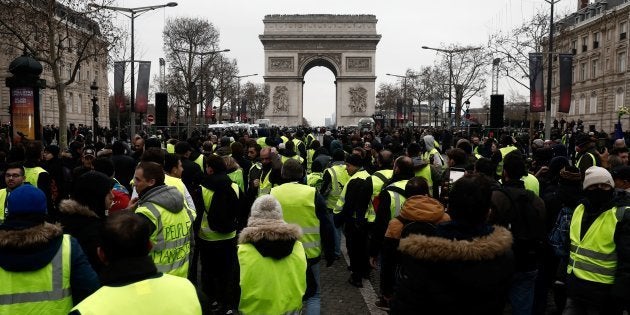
x=345, y=44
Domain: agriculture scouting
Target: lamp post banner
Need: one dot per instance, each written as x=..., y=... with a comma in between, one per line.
x=566, y=79
x=536, y=93
x=119, y=79
x=142, y=92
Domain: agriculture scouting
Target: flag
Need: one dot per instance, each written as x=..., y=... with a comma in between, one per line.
x=536, y=94
x=119, y=91
x=566, y=79
x=142, y=92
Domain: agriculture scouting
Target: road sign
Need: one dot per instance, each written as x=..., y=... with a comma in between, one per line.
x=150, y=118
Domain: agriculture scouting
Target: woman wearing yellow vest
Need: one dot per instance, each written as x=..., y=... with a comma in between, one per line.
x=272, y=262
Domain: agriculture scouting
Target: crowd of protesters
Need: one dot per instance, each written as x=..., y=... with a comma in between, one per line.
x=452, y=223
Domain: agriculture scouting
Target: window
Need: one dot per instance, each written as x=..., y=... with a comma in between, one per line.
x=596, y=40
x=594, y=68
x=574, y=47
x=583, y=71
x=623, y=29
x=572, y=109
x=621, y=62
x=582, y=105
x=96, y=77
x=584, y=43
x=593, y=103
x=79, y=74
x=69, y=68
x=70, y=102
x=80, y=103
x=618, y=98
x=609, y=34
x=554, y=105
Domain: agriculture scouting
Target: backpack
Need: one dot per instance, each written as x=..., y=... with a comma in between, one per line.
x=526, y=223
x=223, y=211
x=415, y=227
x=559, y=235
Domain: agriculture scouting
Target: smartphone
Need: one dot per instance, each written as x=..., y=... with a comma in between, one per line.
x=455, y=174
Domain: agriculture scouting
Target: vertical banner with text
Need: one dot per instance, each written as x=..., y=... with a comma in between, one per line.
x=566, y=80
x=23, y=113
x=119, y=90
x=142, y=92
x=536, y=93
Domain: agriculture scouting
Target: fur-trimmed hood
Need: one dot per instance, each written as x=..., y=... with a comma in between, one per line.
x=272, y=238
x=433, y=248
x=31, y=248
x=72, y=207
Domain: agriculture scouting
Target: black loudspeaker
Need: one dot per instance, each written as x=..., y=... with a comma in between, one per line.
x=161, y=109
x=496, y=111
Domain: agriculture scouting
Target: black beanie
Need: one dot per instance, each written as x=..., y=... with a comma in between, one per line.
x=90, y=190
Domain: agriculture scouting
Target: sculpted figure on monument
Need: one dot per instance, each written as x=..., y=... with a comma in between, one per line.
x=358, y=99
x=280, y=99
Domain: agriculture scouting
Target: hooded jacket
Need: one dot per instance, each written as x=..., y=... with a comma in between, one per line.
x=84, y=225
x=30, y=249
x=461, y=270
x=167, y=197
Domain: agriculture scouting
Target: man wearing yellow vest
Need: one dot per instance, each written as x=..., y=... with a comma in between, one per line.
x=223, y=214
x=272, y=262
x=587, y=154
x=192, y=173
x=14, y=178
x=351, y=213
x=507, y=146
x=131, y=282
x=42, y=270
x=261, y=182
x=598, y=280
x=334, y=179
x=171, y=222
x=431, y=154
x=36, y=175
x=390, y=201
x=304, y=206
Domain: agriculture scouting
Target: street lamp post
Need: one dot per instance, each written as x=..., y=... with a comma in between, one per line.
x=95, y=110
x=405, y=77
x=449, y=53
x=133, y=14
x=238, y=91
x=549, y=72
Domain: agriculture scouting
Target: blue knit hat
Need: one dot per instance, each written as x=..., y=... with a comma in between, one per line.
x=26, y=199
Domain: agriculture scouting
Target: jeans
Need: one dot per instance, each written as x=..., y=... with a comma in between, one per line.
x=312, y=304
x=521, y=293
x=337, y=235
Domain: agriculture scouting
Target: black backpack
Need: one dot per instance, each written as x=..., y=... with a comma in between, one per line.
x=223, y=211
x=415, y=227
x=526, y=223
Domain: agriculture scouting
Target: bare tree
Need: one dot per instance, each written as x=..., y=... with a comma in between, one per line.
x=225, y=90
x=59, y=34
x=386, y=97
x=189, y=46
x=257, y=96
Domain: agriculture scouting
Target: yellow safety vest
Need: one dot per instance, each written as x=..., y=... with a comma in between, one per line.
x=199, y=162
x=309, y=159
x=295, y=157
x=165, y=294
x=205, y=232
x=3, y=199
x=434, y=152
x=297, y=142
x=396, y=199
x=504, y=151
x=170, y=148
x=531, y=183
x=262, y=290
x=315, y=179
x=592, y=159
x=265, y=185
x=43, y=291
x=237, y=178
x=179, y=185
x=363, y=174
x=594, y=257
x=298, y=207
x=171, y=238
x=31, y=174
x=261, y=142
x=379, y=178
x=284, y=139
x=425, y=172
x=338, y=179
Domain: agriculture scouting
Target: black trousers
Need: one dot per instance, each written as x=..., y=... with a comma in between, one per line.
x=357, y=245
x=219, y=271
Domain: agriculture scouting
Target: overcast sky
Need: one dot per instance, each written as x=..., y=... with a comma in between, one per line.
x=405, y=26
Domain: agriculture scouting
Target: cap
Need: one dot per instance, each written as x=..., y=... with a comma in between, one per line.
x=597, y=175
x=26, y=199
x=621, y=172
x=355, y=160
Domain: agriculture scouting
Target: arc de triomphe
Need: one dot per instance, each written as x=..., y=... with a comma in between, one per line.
x=345, y=44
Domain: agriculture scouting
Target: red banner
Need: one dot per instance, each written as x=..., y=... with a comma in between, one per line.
x=142, y=92
x=536, y=93
x=566, y=80
x=119, y=90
